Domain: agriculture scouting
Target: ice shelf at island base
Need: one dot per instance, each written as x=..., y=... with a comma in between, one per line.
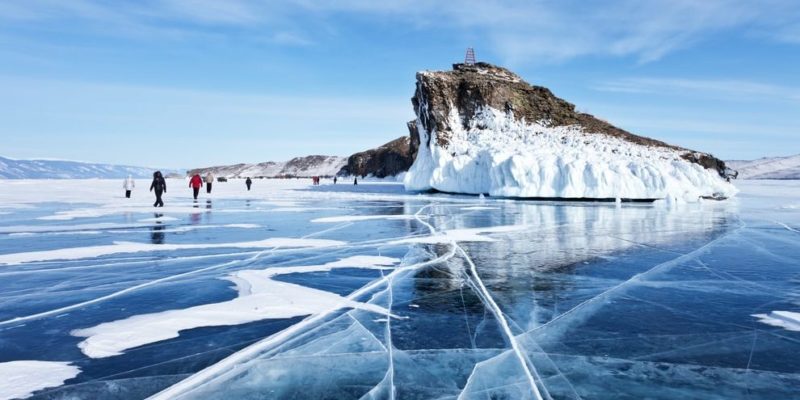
x=717, y=197
x=566, y=199
x=502, y=157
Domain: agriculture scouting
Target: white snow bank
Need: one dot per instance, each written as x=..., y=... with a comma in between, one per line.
x=501, y=156
x=159, y=219
x=301, y=209
x=68, y=228
x=113, y=209
x=463, y=235
x=784, y=319
x=260, y=298
x=19, y=379
x=189, y=228
x=242, y=226
x=29, y=230
x=77, y=253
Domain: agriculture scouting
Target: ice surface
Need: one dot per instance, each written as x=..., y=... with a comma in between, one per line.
x=19, y=379
x=412, y=295
x=356, y=218
x=498, y=155
x=463, y=235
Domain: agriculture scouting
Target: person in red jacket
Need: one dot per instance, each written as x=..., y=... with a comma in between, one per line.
x=196, y=183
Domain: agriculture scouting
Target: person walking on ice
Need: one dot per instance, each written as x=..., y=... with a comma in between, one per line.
x=248, y=182
x=209, y=181
x=196, y=183
x=159, y=185
x=128, y=184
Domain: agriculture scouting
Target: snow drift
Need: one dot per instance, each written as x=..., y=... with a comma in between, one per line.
x=482, y=129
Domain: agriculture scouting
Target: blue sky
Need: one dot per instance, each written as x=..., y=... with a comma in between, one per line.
x=172, y=83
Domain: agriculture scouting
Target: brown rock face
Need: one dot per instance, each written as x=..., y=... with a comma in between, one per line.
x=470, y=88
x=390, y=159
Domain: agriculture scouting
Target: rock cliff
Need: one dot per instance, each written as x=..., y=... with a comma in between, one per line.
x=390, y=159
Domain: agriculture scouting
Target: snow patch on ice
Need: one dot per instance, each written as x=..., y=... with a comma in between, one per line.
x=30, y=230
x=260, y=298
x=159, y=219
x=118, y=209
x=21, y=378
x=189, y=228
x=132, y=247
x=242, y=226
x=784, y=319
x=66, y=228
x=301, y=209
x=279, y=203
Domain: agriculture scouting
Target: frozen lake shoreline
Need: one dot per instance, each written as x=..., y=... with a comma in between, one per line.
x=421, y=295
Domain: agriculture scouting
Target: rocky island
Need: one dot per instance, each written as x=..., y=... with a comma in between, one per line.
x=482, y=129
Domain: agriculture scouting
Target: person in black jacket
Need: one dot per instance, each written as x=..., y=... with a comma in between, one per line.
x=160, y=186
x=248, y=182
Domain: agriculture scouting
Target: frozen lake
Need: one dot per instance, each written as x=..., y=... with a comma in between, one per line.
x=366, y=292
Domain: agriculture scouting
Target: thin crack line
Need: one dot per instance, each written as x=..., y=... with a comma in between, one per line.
x=503, y=324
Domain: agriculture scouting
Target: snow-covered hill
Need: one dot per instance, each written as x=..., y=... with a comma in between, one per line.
x=58, y=169
x=296, y=167
x=768, y=168
x=482, y=129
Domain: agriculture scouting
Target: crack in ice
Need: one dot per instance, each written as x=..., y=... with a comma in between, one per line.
x=276, y=339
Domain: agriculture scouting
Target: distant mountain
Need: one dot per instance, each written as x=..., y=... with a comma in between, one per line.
x=768, y=168
x=300, y=167
x=58, y=169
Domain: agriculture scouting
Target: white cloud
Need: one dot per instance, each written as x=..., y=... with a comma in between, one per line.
x=520, y=31
x=547, y=31
x=738, y=90
x=288, y=38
